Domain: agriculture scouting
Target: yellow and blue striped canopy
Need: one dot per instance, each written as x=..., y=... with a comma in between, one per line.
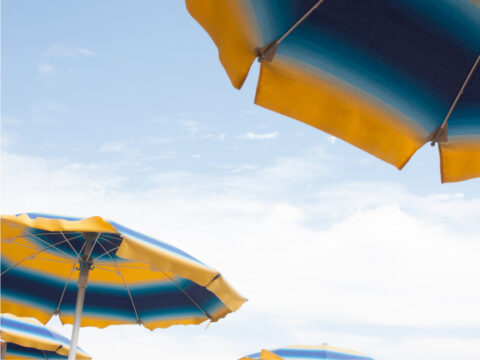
x=27, y=338
x=300, y=352
x=379, y=74
x=135, y=278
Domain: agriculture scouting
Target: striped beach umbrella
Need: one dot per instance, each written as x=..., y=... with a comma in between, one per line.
x=384, y=75
x=27, y=338
x=48, y=261
x=300, y=352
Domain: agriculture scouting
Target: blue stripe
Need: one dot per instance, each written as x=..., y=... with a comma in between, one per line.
x=412, y=55
x=160, y=299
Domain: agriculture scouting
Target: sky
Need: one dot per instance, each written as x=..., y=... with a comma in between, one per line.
x=123, y=110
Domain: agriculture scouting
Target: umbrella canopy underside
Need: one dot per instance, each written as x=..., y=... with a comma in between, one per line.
x=381, y=75
x=134, y=278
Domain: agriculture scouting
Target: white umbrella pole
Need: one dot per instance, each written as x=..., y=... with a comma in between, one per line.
x=85, y=264
x=3, y=351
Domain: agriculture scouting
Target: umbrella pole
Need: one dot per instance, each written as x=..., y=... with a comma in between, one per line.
x=3, y=351
x=85, y=265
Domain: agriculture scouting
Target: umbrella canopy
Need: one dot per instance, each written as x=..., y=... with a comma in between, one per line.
x=308, y=352
x=383, y=75
x=132, y=278
x=27, y=338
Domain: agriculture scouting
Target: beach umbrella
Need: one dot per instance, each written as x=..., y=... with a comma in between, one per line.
x=384, y=75
x=48, y=261
x=27, y=338
x=300, y=352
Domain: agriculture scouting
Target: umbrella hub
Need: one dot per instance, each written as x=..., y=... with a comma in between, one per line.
x=86, y=261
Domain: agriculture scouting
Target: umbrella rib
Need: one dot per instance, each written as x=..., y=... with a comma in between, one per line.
x=31, y=256
x=188, y=296
x=54, y=260
x=107, y=240
x=96, y=240
x=124, y=283
x=40, y=239
x=36, y=236
x=64, y=290
x=440, y=130
x=128, y=267
x=43, y=241
x=71, y=246
x=106, y=252
x=268, y=52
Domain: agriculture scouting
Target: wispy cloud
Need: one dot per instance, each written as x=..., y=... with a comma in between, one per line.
x=219, y=137
x=331, y=139
x=48, y=111
x=61, y=51
x=8, y=120
x=254, y=136
x=160, y=120
x=189, y=125
x=115, y=146
x=46, y=69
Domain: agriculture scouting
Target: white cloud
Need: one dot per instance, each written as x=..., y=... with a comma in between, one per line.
x=189, y=125
x=49, y=106
x=114, y=146
x=253, y=136
x=49, y=111
x=67, y=51
x=158, y=140
x=219, y=137
x=8, y=120
x=363, y=253
x=46, y=69
x=160, y=120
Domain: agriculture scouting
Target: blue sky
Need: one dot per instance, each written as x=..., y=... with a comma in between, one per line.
x=123, y=110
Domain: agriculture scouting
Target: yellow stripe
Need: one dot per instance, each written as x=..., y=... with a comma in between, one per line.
x=267, y=355
x=154, y=262
x=162, y=260
x=30, y=341
x=12, y=307
x=16, y=357
x=236, y=35
x=92, y=224
x=305, y=94
x=460, y=160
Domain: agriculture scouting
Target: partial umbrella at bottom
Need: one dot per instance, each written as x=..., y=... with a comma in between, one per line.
x=27, y=338
x=300, y=352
